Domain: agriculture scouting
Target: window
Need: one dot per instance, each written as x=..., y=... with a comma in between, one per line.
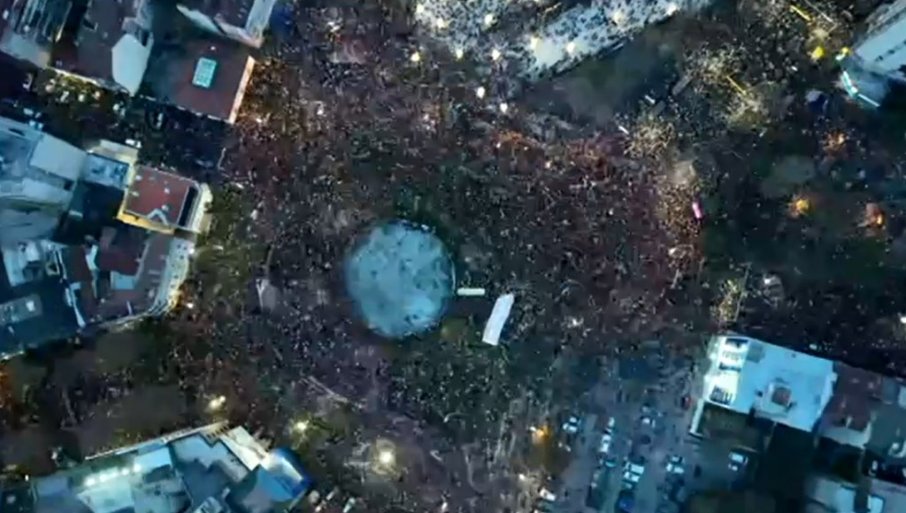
x=204, y=72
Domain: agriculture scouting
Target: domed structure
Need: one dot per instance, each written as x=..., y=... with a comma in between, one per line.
x=400, y=277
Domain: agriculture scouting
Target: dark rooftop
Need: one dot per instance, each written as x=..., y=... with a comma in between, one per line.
x=93, y=207
x=55, y=319
x=855, y=396
x=96, y=29
x=207, y=76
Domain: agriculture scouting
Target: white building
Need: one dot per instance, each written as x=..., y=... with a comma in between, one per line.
x=211, y=469
x=772, y=382
x=242, y=20
x=37, y=175
x=878, y=55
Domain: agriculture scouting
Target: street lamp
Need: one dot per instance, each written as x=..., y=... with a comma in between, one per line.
x=386, y=457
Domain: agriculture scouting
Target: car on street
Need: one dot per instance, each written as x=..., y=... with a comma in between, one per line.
x=675, y=465
x=738, y=460
x=604, y=446
x=631, y=478
x=547, y=495
x=571, y=426
x=625, y=501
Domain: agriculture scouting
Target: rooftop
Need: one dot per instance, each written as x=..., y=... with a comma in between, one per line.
x=111, y=43
x=89, y=267
x=210, y=469
x=160, y=197
x=205, y=75
x=831, y=495
x=34, y=313
x=39, y=20
x=234, y=12
x=780, y=384
x=849, y=406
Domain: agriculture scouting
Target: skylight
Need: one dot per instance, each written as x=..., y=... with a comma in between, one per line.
x=204, y=72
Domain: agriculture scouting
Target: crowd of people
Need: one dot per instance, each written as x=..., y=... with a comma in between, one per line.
x=535, y=38
x=343, y=127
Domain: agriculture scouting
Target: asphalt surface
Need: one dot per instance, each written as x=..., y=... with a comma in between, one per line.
x=650, y=425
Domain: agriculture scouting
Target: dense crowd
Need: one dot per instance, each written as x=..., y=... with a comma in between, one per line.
x=595, y=232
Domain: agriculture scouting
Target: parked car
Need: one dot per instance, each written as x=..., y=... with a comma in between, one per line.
x=738, y=460
x=606, y=440
x=631, y=477
x=571, y=426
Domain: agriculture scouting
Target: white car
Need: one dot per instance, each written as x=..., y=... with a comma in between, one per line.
x=737, y=461
x=547, y=495
x=571, y=426
x=606, y=440
x=630, y=477
x=611, y=422
x=674, y=468
x=635, y=468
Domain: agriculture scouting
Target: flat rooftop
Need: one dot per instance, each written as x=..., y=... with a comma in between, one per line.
x=225, y=470
x=777, y=383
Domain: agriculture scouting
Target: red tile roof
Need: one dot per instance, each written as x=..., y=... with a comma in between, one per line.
x=120, y=250
x=856, y=394
x=157, y=196
x=76, y=264
x=224, y=96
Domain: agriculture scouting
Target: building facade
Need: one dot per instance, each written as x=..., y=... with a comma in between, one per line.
x=242, y=20
x=878, y=56
x=89, y=239
x=212, y=469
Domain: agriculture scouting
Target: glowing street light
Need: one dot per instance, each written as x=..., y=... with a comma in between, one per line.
x=801, y=206
x=533, y=42
x=480, y=92
x=571, y=47
x=419, y=9
x=386, y=457
x=618, y=17
x=440, y=23
x=301, y=426
x=504, y=107
x=495, y=55
x=459, y=54
x=672, y=8
x=488, y=20
x=216, y=403
x=416, y=57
